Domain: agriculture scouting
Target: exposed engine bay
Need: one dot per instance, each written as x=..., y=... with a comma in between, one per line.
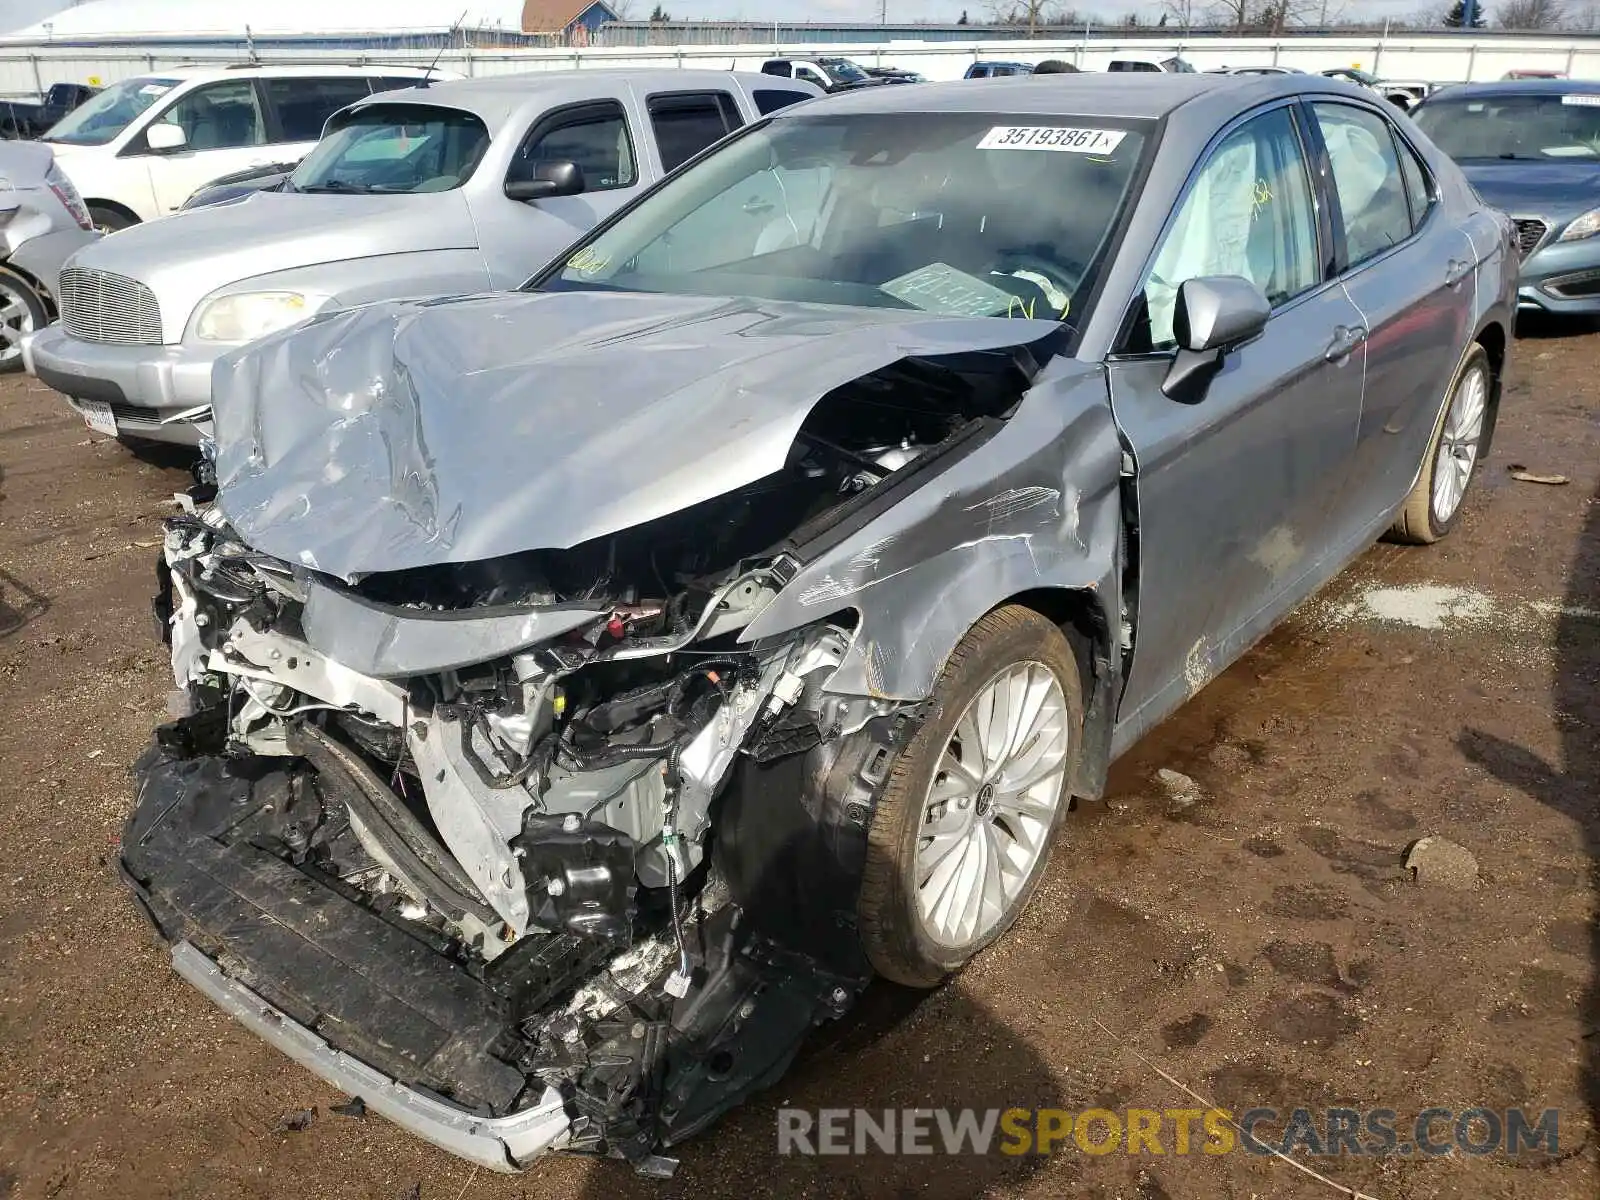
x=541, y=832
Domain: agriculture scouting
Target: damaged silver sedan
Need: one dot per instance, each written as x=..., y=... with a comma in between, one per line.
x=584, y=692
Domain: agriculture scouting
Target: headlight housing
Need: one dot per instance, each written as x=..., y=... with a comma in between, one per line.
x=1585, y=226
x=246, y=316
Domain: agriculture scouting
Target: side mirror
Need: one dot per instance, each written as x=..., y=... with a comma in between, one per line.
x=164, y=138
x=557, y=177
x=1214, y=314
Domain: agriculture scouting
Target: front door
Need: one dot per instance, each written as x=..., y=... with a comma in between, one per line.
x=523, y=236
x=224, y=132
x=1238, y=494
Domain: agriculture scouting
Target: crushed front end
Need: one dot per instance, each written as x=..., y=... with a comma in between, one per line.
x=531, y=853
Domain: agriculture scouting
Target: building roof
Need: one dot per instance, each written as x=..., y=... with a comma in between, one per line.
x=556, y=16
x=275, y=18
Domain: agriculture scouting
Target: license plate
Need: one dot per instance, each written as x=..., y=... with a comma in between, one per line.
x=97, y=416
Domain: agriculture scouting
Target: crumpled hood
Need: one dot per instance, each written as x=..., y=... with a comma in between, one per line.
x=1558, y=191
x=402, y=435
x=191, y=254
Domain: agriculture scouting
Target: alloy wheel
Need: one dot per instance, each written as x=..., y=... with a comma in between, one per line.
x=991, y=804
x=16, y=319
x=1459, y=444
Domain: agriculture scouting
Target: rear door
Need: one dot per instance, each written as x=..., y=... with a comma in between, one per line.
x=1238, y=494
x=1410, y=272
x=684, y=123
x=299, y=106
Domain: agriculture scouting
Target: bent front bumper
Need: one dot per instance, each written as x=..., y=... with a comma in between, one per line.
x=499, y=1143
x=149, y=389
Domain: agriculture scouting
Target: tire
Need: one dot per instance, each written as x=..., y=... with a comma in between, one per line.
x=905, y=942
x=109, y=220
x=22, y=310
x=1433, y=507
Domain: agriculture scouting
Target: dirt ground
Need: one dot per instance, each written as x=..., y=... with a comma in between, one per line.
x=1261, y=945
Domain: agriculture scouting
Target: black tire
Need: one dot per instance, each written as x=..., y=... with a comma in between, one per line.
x=17, y=293
x=109, y=220
x=891, y=931
x=1419, y=522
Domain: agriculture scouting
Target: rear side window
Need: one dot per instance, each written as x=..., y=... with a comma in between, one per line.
x=685, y=123
x=303, y=105
x=780, y=69
x=770, y=100
x=1367, y=179
x=595, y=136
x=1418, y=191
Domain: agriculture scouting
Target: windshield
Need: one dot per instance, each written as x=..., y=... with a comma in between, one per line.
x=392, y=148
x=843, y=69
x=101, y=118
x=967, y=214
x=1537, y=128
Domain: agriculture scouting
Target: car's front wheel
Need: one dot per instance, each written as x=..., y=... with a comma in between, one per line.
x=1458, y=443
x=961, y=834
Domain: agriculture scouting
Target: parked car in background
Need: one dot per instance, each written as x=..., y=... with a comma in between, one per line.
x=238, y=184
x=42, y=223
x=23, y=120
x=1402, y=93
x=896, y=74
x=459, y=187
x=829, y=73
x=1254, y=70
x=590, y=688
x=1534, y=73
x=1532, y=149
x=1166, y=66
x=141, y=147
x=997, y=70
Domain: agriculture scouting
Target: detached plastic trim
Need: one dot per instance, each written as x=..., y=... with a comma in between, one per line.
x=498, y=1143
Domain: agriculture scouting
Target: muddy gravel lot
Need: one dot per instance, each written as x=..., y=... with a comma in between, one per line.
x=1245, y=935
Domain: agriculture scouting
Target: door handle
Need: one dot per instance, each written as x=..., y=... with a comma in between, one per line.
x=758, y=208
x=1345, y=339
x=1457, y=270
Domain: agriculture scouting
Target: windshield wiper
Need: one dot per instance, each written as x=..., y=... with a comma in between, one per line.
x=337, y=185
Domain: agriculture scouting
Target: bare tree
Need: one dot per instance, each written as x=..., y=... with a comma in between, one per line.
x=1529, y=14
x=1182, y=13
x=1033, y=14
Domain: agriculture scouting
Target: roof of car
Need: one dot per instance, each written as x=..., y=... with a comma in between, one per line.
x=252, y=69
x=1132, y=95
x=1521, y=87
x=497, y=97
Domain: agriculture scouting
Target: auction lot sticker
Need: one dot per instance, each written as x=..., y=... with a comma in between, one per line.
x=1052, y=137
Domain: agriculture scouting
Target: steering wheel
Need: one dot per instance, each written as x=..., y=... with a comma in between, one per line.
x=1054, y=281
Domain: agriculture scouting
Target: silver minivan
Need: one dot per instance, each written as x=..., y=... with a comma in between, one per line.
x=461, y=187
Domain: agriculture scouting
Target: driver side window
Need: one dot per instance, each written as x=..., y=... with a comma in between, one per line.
x=1249, y=212
x=594, y=136
x=219, y=116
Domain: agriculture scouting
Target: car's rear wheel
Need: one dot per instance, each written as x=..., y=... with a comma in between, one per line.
x=1458, y=443
x=22, y=311
x=109, y=220
x=961, y=834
